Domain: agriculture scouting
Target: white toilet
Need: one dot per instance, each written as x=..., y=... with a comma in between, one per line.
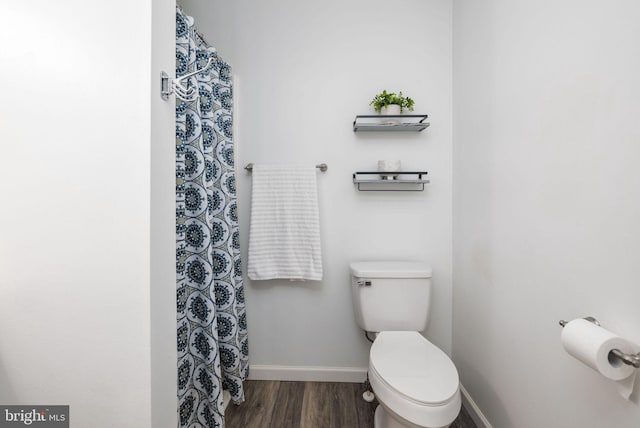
x=415, y=382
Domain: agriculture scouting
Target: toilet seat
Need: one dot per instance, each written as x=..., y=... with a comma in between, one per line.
x=414, y=378
x=414, y=367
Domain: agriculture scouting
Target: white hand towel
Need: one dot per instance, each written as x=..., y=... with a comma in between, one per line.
x=284, y=235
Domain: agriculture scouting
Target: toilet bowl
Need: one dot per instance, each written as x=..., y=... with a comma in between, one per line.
x=415, y=382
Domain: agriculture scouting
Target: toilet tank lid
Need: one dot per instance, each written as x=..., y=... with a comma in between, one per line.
x=390, y=269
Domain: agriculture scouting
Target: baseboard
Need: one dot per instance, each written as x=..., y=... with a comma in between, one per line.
x=308, y=373
x=473, y=409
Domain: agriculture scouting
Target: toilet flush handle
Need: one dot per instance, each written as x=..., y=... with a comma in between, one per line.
x=364, y=282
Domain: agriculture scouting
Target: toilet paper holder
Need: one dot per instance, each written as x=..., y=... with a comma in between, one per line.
x=628, y=359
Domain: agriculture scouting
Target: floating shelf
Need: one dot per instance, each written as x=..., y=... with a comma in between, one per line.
x=409, y=123
x=391, y=181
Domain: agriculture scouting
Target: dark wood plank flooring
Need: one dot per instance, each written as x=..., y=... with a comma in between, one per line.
x=279, y=404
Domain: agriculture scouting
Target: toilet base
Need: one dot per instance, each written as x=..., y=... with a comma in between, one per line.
x=385, y=418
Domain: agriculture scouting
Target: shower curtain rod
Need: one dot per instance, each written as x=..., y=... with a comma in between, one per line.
x=198, y=33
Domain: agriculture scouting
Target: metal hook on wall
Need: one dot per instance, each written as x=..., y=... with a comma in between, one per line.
x=178, y=86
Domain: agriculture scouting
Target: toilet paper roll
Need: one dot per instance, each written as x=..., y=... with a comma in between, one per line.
x=591, y=344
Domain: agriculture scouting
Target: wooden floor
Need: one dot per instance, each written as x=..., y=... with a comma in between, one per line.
x=278, y=404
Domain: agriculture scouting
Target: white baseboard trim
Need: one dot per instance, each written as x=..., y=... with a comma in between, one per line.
x=308, y=373
x=473, y=409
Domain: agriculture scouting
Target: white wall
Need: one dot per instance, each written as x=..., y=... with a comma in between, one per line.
x=164, y=402
x=305, y=71
x=74, y=221
x=547, y=203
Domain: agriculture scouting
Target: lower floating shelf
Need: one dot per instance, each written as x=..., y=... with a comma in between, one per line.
x=390, y=181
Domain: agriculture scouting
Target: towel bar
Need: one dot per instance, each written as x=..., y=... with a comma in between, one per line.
x=322, y=167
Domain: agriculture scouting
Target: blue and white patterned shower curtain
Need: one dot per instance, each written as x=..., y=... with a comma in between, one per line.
x=212, y=330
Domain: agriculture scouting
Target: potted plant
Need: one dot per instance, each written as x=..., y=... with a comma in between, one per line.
x=390, y=103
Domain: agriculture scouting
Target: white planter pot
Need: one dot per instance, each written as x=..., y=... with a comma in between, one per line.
x=391, y=109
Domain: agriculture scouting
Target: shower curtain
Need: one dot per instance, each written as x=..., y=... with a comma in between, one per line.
x=212, y=330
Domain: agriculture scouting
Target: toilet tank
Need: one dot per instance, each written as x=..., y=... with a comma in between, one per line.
x=391, y=295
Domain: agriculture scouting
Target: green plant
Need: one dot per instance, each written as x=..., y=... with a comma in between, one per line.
x=385, y=98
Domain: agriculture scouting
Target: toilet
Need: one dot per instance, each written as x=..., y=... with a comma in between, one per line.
x=415, y=382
